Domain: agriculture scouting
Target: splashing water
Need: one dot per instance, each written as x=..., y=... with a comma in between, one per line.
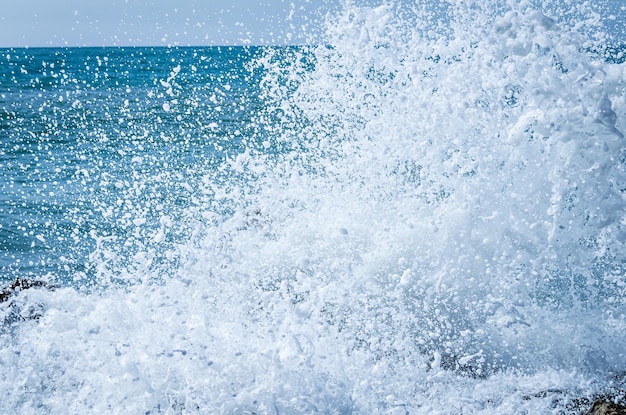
x=426, y=216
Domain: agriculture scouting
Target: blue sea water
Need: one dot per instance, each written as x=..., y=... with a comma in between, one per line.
x=96, y=140
x=413, y=218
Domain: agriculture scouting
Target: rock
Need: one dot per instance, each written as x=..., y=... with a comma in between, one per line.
x=21, y=284
x=14, y=311
x=603, y=406
x=612, y=402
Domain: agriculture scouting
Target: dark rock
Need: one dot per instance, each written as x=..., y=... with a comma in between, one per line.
x=21, y=284
x=15, y=311
x=603, y=406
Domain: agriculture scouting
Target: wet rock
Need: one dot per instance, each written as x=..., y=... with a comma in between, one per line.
x=14, y=311
x=612, y=403
x=604, y=406
x=20, y=284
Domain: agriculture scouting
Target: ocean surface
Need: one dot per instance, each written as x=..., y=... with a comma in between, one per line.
x=424, y=215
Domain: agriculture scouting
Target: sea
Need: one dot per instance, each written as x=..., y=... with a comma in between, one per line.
x=425, y=213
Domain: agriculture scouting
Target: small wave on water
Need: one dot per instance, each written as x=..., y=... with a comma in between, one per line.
x=425, y=216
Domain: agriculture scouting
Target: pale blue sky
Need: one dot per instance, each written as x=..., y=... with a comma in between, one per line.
x=184, y=22
x=157, y=22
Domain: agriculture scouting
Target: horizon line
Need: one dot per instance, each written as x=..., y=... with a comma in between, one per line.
x=159, y=46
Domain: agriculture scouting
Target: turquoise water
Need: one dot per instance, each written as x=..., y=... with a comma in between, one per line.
x=412, y=218
x=95, y=140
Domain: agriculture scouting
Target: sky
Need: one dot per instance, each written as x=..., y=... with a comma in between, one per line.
x=182, y=22
x=158, y=22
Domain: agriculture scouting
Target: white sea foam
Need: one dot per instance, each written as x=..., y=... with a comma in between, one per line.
x=447, y=236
